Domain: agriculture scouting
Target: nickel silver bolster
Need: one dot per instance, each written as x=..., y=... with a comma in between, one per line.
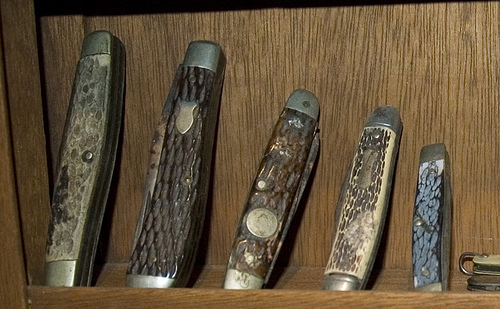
x=175, y=195
x=275, y=193
x=432, y=220
x=363, y=202
x=86, y=161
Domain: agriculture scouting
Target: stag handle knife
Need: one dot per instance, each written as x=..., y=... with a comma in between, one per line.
x=175, y=196
x=86, y=161
x=432, y=220
x=275, y=193
x=363, y=202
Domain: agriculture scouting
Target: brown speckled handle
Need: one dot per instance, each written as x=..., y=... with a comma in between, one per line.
x=270, y=204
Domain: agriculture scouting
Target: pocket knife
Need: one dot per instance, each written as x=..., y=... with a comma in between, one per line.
x=363, y=202
x=275, y=193
x=432, y=221
x=485, y=274
x=483, y=283
x=483, y=264
x=86, y=161
x=175, y=195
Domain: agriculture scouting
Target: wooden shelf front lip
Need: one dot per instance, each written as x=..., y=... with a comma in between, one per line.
x=295, y=287
x=46, y=297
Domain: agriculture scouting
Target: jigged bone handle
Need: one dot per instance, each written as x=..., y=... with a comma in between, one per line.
x=363, y=202
x=171, y=219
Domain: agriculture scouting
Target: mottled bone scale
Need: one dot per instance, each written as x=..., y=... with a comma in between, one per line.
x=274, y=189
x=362, y=204
x=80, y=158
x=174, y=213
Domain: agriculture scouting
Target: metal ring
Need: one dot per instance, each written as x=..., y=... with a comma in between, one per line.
x=466, y=257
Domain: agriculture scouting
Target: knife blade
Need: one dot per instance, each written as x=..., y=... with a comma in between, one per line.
x=175, y=195
x=86, y=161
x=275, y=193
x=432, y=220
x=363, y=202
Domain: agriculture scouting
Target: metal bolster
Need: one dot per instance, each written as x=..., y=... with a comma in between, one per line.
x=97, y=42
x=305, y=102
x=386, y=116
x=433, y=152
x=238, y=280
x=60, y=273
x=142, y=281
x=433, y=287
x=341, y=282
x=203, y=54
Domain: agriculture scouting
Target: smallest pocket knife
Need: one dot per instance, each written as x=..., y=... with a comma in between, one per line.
x=432, y=220
x=275, y=193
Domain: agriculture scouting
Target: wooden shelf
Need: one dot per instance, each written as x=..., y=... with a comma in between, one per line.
x=296, y=287
x=438, y=63
x=44, y=297
x=293, y=287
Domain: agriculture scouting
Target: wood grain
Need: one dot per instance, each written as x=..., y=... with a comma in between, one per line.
x=22, y=79
x=13, y=293
x=46, y=297
x=438, y=63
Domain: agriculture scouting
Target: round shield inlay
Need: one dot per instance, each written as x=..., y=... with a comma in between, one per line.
x=262, y=222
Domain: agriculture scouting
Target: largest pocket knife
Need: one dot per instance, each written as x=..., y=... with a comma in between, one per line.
x=363, y=202
x=275, y=193
x=175, y=196
x=86, y=161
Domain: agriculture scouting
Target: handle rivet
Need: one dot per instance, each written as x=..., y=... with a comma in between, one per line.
x=306, y=104
x=249, y=258
x=261, y=185
x=188, y=180
x=192, y=79
x=87, y=156
x=425, y=271
x=418, y=222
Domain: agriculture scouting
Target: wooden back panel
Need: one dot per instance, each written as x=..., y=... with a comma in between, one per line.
x=437, y=63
